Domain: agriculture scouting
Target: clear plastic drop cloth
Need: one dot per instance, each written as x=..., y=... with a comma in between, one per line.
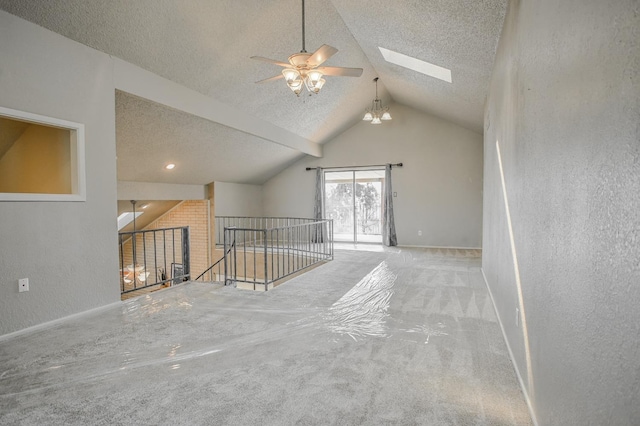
x=363, y=310
x=314, y=350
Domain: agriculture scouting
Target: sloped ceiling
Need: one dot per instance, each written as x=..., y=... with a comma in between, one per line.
x=459, y=35
x=205, y=46
x=151, y=210
x=149, y=135
x=10, y=131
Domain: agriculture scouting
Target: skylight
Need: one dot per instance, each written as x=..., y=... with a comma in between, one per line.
x=416, y=64
x=126, y=218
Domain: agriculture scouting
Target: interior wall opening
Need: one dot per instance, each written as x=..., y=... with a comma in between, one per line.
x=41, y=158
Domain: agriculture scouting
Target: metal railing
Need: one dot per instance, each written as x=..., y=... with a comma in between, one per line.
x=260, y=256
x=253, y=223
x=215, y=272
x=153, y=257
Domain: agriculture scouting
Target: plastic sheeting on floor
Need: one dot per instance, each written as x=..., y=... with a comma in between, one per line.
x=397, y=337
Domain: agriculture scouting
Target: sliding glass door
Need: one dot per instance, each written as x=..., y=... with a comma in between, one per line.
x=353, y=199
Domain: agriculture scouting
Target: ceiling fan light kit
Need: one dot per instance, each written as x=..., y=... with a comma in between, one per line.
x=304, y=70
x=296, y=78
x=377, y=113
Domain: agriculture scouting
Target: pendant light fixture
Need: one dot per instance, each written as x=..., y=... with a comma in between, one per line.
x=135, y=272
x=377, y=113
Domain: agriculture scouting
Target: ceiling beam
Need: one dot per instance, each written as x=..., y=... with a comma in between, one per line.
x=145, y=84
x=159, y=191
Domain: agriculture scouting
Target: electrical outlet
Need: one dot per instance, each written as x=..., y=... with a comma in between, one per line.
x=517, y=317
x=419, y=233
x=23, y=284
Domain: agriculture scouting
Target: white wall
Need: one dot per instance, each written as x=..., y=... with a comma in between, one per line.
x=235, y=199
x=564, y=105
x=439, y=189
x=68, y=250
x=128, y=190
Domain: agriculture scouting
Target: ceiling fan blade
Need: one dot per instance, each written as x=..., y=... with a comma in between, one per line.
x=323, y=53
x=274, y=78
x=341, y=71
x=271, y=61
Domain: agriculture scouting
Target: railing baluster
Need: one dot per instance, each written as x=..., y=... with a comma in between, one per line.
x=225, y=257
x=121, y=264
x=244, y=252
x=255, y=259
x=138, y=272
x=164, y=253
x=266, y=273
x=144, y=258
x=292, y=243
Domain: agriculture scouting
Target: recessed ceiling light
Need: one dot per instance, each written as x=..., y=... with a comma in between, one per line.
x=416, y=64
x=169, y=166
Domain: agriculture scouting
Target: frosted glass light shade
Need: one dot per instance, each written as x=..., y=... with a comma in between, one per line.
x=386, y=116
x=367, y=117
x=290, y=75
x=295, y=86
x=297, y=79
x=314, y=77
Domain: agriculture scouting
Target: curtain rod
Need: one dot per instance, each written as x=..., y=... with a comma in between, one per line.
x=354, y=167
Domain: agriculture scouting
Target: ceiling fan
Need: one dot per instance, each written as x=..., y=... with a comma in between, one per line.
x=304, y=68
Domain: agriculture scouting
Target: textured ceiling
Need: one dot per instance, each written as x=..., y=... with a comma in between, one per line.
x=205, y=45
x=460, y=35
x=153, y=210
x=150, y=135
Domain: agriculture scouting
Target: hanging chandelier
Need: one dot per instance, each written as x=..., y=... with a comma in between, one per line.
x=377, y=113
x=135, y=273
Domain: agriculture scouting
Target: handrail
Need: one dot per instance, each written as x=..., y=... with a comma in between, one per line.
x=263, y=255
x=153, y=257
x=216, y=263
x=255, y=223
x=150, y=231
x=266, y=217
x=317, y=222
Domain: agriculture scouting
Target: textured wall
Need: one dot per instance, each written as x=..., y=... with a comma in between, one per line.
x=439, y=189
x=68, y=250
x=236, y=199
x=564, y=106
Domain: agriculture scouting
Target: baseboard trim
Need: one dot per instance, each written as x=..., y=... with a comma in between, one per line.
x=441, y=247
x=513, y=360
x=48, y=324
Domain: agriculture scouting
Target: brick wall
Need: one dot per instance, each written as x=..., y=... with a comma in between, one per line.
x=195, y=215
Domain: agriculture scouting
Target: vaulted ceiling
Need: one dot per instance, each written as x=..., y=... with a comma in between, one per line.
x=205, y=46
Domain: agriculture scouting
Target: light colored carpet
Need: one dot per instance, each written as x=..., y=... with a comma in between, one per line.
x=406, y=336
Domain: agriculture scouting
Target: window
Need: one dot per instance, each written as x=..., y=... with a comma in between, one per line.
x=41, y=158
